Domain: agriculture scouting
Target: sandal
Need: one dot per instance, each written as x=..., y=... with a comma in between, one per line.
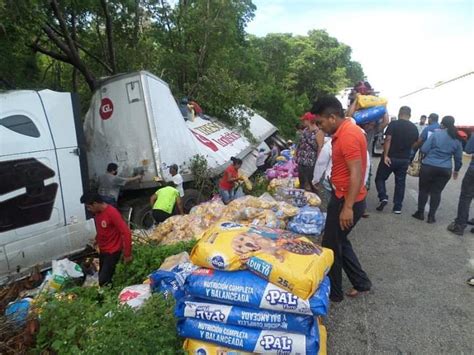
x=470, y=281
x=354, y=293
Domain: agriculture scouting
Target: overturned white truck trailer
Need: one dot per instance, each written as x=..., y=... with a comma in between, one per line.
x=135, y=122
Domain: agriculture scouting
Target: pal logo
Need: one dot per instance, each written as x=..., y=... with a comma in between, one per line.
x=218, y=262
x=286, y=299
x=106, y=108
x=282, y=344
x=206, y=314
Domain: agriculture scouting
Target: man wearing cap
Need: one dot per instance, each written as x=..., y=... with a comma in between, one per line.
x=110, y=184
x=177, y=179
x=309, y=146
x=433, y=125
x=347, y=204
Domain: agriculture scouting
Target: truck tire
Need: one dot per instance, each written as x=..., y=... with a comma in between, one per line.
x=191, y=198
x=142, y=216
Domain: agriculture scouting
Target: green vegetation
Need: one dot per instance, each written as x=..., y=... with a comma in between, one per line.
x=200, y=47
x=89, y=320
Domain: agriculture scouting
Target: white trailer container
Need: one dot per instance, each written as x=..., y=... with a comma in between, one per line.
x=135, y=122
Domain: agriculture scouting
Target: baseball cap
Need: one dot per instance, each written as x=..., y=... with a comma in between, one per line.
x=308, y=116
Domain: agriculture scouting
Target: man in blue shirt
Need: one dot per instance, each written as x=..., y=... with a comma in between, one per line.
x=467, y=193
x=433, y=125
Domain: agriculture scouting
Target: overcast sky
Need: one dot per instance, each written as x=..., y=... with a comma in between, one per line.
x=402, y=45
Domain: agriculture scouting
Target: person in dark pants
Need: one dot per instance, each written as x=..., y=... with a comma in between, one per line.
x=163, y=202
x=467, y=194
x=113, y=236
x=309, y=147
x=436, y=167
x=401, y=135
x=347, y=204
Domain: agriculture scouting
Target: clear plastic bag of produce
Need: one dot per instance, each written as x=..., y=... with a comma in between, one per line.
x=309, y=221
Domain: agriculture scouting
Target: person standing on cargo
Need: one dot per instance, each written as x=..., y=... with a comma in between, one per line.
x=113, y=236
x=177, y=179
x=228, y=180
x=347, y=203
x=309, y=146
x=110, y=184
x=163, y=202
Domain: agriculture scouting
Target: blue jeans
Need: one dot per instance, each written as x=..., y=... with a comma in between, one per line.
x=399, y=169
x=226, y=195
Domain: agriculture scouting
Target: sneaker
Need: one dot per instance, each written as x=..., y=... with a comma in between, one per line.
x=470, y=281
x=419, y=215
x=431, y=220
x=397, y=211
x=382, y=205
x=471, y=222
x=456, y=229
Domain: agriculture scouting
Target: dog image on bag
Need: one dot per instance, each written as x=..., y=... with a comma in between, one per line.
x=269, y=242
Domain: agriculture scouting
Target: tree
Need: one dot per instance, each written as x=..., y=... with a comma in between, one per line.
x=200, y=47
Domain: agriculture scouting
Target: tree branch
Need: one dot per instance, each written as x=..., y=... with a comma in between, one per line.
x=110, y=37
x=62, y=23
x=86, y=51
x=61, y=57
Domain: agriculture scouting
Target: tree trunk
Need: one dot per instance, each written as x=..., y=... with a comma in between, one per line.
x=110, y=37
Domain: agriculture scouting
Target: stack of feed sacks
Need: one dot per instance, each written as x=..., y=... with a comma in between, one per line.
x=258, y=290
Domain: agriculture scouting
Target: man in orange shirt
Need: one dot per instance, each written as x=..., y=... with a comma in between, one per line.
x=347, y=204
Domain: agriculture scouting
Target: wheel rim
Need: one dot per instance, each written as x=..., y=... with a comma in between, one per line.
x=147, y=221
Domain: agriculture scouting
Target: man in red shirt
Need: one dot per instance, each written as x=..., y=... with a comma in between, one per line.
x=347, y=204
x=113, y=236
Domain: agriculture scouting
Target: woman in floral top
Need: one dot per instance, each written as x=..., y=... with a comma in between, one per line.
x=309, y=146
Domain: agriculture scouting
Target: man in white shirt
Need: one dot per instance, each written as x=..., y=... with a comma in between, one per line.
x=322, y=171
x=177, y=179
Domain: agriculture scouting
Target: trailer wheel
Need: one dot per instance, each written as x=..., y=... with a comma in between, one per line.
x=142, y=216
x=191, y=198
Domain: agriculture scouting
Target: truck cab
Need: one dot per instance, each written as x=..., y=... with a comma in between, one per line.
x=43, y=171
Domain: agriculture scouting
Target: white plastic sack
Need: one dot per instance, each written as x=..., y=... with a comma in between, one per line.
x=66, y=268
x=62, y=270
x=135, y=296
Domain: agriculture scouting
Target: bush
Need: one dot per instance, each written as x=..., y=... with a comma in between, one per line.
x=90, y=320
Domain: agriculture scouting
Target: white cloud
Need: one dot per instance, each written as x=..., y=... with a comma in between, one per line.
x=400, y=49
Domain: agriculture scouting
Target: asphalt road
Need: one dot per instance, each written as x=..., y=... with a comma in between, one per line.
x=420, y=302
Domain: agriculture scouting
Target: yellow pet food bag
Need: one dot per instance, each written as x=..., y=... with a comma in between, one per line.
x=288, y=260
x=197, y=347
x=366, y=101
